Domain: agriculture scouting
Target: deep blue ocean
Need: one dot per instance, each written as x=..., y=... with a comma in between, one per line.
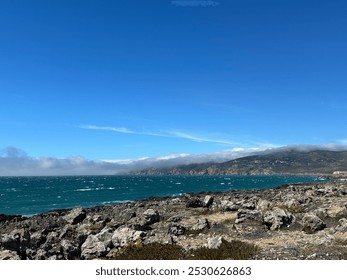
x=33, y=195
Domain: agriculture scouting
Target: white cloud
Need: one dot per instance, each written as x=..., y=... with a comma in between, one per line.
x=108, y=128
x=164, y=133
x=194, y=138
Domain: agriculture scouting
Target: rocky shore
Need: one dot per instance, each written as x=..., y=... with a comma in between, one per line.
x=307, y=221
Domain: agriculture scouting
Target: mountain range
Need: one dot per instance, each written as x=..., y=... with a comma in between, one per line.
x=279, y=161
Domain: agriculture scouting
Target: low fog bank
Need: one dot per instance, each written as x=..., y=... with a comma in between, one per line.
x=15, y=162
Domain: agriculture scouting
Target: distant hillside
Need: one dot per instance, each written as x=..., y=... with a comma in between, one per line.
x=322, y=162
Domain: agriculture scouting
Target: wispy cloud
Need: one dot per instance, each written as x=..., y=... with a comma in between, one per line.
x=169, y=133
x=195, y=3
x=109, y=128
x=195, y=138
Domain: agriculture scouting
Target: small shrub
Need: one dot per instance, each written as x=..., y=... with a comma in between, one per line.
x=341, y=241
x=236, y=250
x=152, y=251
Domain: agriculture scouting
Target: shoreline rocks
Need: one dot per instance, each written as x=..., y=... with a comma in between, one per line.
x=304, y=221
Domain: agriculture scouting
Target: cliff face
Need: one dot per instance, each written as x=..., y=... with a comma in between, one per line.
x=284, y=162
x=307, y=221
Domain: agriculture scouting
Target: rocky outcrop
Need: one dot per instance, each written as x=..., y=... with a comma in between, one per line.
x=312, y=223
x=307, y=221
x=277, y=218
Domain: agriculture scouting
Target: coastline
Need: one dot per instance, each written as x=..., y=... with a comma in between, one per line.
x=303, y=221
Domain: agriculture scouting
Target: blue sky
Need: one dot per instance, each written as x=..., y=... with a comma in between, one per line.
x=130, y=79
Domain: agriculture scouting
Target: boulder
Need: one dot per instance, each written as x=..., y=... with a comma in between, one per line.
x=37, y=239
x=17, y=240
x=201, y=224
x=229, y=205
x=277, y=218
x=194, y=203
x=151, y=216
x=75, y=216
x=263, y=205
x=70, y=249
x=52, y=237
x=247, y=205
x=97, y=245
x=37, y=254
x=10, y=242
x=124, y=216
x=142, y=221
x=8, y=255
x=122, y=236
x=176, y=230
x=246, y=214
x=342, y=226
x=69, y=231
x=208, y=200
x=311, y=223
x=93, y=248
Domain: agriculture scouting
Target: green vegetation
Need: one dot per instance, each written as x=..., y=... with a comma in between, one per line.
x=235, y=249
x=152, y=251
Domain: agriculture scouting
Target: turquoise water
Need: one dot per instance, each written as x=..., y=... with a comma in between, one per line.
x=33, y=195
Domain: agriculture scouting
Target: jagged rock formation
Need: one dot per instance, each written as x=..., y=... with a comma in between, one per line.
x=306, y=221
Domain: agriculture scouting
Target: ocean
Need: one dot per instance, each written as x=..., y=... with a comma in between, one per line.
x=32, y=195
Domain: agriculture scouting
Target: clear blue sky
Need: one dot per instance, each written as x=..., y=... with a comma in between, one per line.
x=128, y=79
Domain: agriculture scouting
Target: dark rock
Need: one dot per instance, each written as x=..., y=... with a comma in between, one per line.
x=342, y=213
x=151, y=216
x=201, y=224
x=75, y=216
x=194, y=203
x=177, y=230
x=9, y=218
x=37, y=239
x=8, y=255
x=175, y=219
x=311, y=223
x=229, y=206
x=70, y=249
x=247, y=205
x=246, y=214
x=10, y=242
x=277, y=218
